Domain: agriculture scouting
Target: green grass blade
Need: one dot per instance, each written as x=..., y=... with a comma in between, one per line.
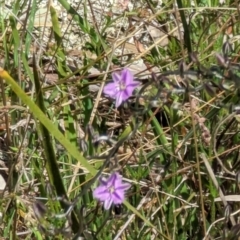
x=30, y=27
x=50, y=157
x=76, y=17
x=16, y=40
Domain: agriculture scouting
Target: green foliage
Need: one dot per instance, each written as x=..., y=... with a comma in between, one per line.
x=179, y=149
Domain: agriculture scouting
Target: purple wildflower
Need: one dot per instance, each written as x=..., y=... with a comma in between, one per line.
x=111, y=190
x=122, y=86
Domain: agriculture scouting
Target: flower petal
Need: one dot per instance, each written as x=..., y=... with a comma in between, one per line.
x=133, y=84
x=119, y=185
x=103, y=181
x=110, y=89
x=112, y=179
x=101, y=193
x=119, y=98
x=130, y=88
x=122, y=186
x=118, y=181
x=108, y=202
x=118, y=197
x=116, y=77
x=127, y=76
x=125, y=95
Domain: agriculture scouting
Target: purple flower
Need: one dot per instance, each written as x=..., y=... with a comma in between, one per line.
x=111, y=190
x=122, y=86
